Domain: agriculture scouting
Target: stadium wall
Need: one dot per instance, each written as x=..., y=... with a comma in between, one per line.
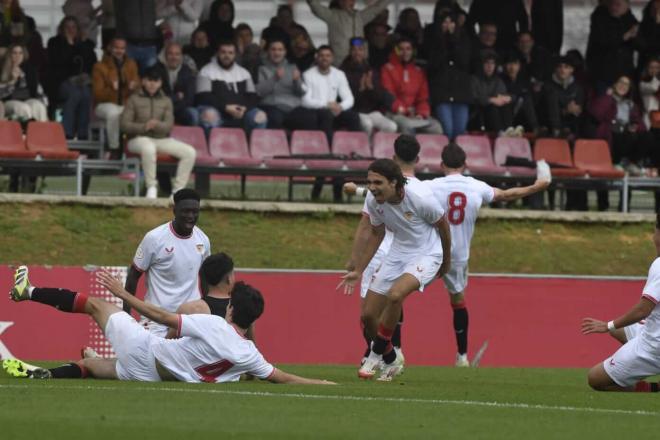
x=528, y=322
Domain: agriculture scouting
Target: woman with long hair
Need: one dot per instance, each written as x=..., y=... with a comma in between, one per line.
x=19, y=86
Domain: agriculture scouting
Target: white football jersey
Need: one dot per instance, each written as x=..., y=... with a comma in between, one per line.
x=172, y=265
x=461, y=197
x=412, y=221
x=650, y=331
x=209, y=350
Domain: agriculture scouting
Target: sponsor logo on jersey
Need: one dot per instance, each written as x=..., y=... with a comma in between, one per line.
x=409, y=215
x=139, y=254
x=200, y=248
x=612, y=362
x=169, y=250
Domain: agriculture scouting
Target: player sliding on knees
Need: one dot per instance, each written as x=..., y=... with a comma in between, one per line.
x=639, y=331
x=419, y=253
x=210, y=348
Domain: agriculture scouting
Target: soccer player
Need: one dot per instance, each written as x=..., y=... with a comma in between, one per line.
x=171, y=255
x=638, y=357
x=462, y=197
x=420, y=251
x=406, y=155
x=211, y=349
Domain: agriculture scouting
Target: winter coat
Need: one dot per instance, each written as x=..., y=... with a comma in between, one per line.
x=184, y=84
x=220, y=87
x=105, y=73
x=557, y=96
x=68, y=60
x=604, y=108
x=284, y=93
x=136, y=21
x=27, y=87
x=366, y=101
x=408, y=85
x=217, y=30
x=140, y=108
x=509, y=16
x=484, y=88
x=448, y=68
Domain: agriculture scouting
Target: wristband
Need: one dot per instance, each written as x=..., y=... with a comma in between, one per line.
x=610, y=326
x=360, y=191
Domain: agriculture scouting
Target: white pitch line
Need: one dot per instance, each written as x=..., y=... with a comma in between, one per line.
x=527, y=406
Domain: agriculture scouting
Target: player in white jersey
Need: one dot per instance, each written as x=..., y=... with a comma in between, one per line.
x=210, y=348
x=462, y=197
x=171, y=256
x=420, y=252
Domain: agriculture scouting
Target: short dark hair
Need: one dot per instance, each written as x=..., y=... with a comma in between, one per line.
x=390, y=170
x=324, y=47
x=453, y=156
x=247, y=304
x=153, y=73
x=242, y=27
x=274, y=40
x=406, y=147
x=227, y=42
x=215, y=268
x=185, y=194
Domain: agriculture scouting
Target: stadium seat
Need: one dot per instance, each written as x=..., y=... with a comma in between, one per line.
x=517, y=147
x=48, y=140
x=231, y=147
x=384, y=144
x=430, y=154
x=194, y=136
x=313, y=142
x=593, y=156
x=557, y=152
x=12, y=144
x=265, y=144
x=479, y=155
x=351, y=144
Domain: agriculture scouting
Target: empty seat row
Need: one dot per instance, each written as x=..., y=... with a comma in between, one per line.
x=45, y=139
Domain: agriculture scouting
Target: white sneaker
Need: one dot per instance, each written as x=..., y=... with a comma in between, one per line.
x=370, y=366
x=462, y=360
x=399, y=355
x=152, y=192
x=390, y=371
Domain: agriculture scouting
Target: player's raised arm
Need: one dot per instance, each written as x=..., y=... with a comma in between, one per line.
x=280, y=376
x=151, y=311
x=132, y=279
x=543, y=179
x=639, y=311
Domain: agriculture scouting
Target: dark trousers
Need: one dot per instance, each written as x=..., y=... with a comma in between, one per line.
x=497, y=118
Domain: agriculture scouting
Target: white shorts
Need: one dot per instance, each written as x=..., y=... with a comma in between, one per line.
x=633, y=330
x=154, y=328
x=456, y=279
x=631, y=363
x=423, y=267
x=132, y=344
x=370, y=271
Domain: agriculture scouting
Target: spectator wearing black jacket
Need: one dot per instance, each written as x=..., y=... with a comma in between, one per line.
x=179, y=85
x=536, y=61
x=136, y=22
x=520, y=90
x=448, y=72
x=546, y=23
x=650, y=32
x=508, y=15
x=485, y=41
x=19, y=87
x=227, y=94
x=219, y=27
x=199, y=49
x=563, y=101
x=492, y=102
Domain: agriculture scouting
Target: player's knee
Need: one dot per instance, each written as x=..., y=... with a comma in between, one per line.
x=457, y=301
x=396, y=297
x=595, y=378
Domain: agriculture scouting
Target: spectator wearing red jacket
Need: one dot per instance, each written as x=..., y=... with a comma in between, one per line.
x=407, y=84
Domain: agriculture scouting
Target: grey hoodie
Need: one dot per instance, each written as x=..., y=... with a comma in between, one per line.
x=285, y=93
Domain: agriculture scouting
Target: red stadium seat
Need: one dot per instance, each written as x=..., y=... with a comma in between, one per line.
x=352, y=143
x=384, y=144
x=231, y=147
x=48, y=140
x=479, y=154
x=315, y=143
x=265, y=144
x=194, y=136
x=12, y=144
x=593, y=156
x=516, y=147
x=557, y=151
x=430, y=153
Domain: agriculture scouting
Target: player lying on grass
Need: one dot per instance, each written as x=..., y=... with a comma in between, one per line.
x=639, y=357
x=210, y=348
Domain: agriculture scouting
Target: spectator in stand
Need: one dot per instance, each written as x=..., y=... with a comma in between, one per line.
x=219, y=26
x=410, y=27
x=536, y=61
x=16, y=27
x=303, y=52
x=87, y=16
x=407, y=83
x=492, y=101
x=19, y=87
x=381, y=19
x=227, y=94
x=520, y=90
x=613, y=39
x=114, y=79
x=70, y=63
x=108, y=22
x=136, y=21
x=180, y=17
x=148, y=119
x=199, y=48
x=650, y=32
x=448, y=70
x=345, y=22
x=281, y=26
x=442, y=9
x=485, y=42
x=249, y=53
x=563, y=101
x=178, y=82
x=370, y=98
x=509, y=16
x=379, y=46
x=281, y=88
x=545, y=21
x=649, y=90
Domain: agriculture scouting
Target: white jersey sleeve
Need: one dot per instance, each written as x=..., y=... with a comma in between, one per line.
x=195, y=326
x=257, y=366
x=652, y=288
x=430, y=210
x=486, y=191
x=144, y=255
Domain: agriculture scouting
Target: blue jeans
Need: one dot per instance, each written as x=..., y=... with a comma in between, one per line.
x=453, y=117
x=144, y=56
x=214, y=119
x=76, y=107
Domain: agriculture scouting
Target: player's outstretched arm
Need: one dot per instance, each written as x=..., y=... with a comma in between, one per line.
x=151, y=311
x=639, y=311
x=543, y=179
x=362, y=259
x=360, y=240
x=280, y=376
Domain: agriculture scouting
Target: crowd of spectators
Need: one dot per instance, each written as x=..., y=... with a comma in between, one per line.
x=496, y=67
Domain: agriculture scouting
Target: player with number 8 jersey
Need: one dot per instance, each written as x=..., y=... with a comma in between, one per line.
x=462, y=197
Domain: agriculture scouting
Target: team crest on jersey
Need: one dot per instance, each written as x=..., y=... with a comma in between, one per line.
x=380, y=211
x=408, y=215
x=139, y=254
x=420, y=269
x=200, y=248
x=169, y=250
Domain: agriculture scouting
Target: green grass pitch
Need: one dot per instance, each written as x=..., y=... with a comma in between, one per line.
x=426, y=402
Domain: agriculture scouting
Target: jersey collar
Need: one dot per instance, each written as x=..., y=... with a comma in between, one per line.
x=171, y=225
